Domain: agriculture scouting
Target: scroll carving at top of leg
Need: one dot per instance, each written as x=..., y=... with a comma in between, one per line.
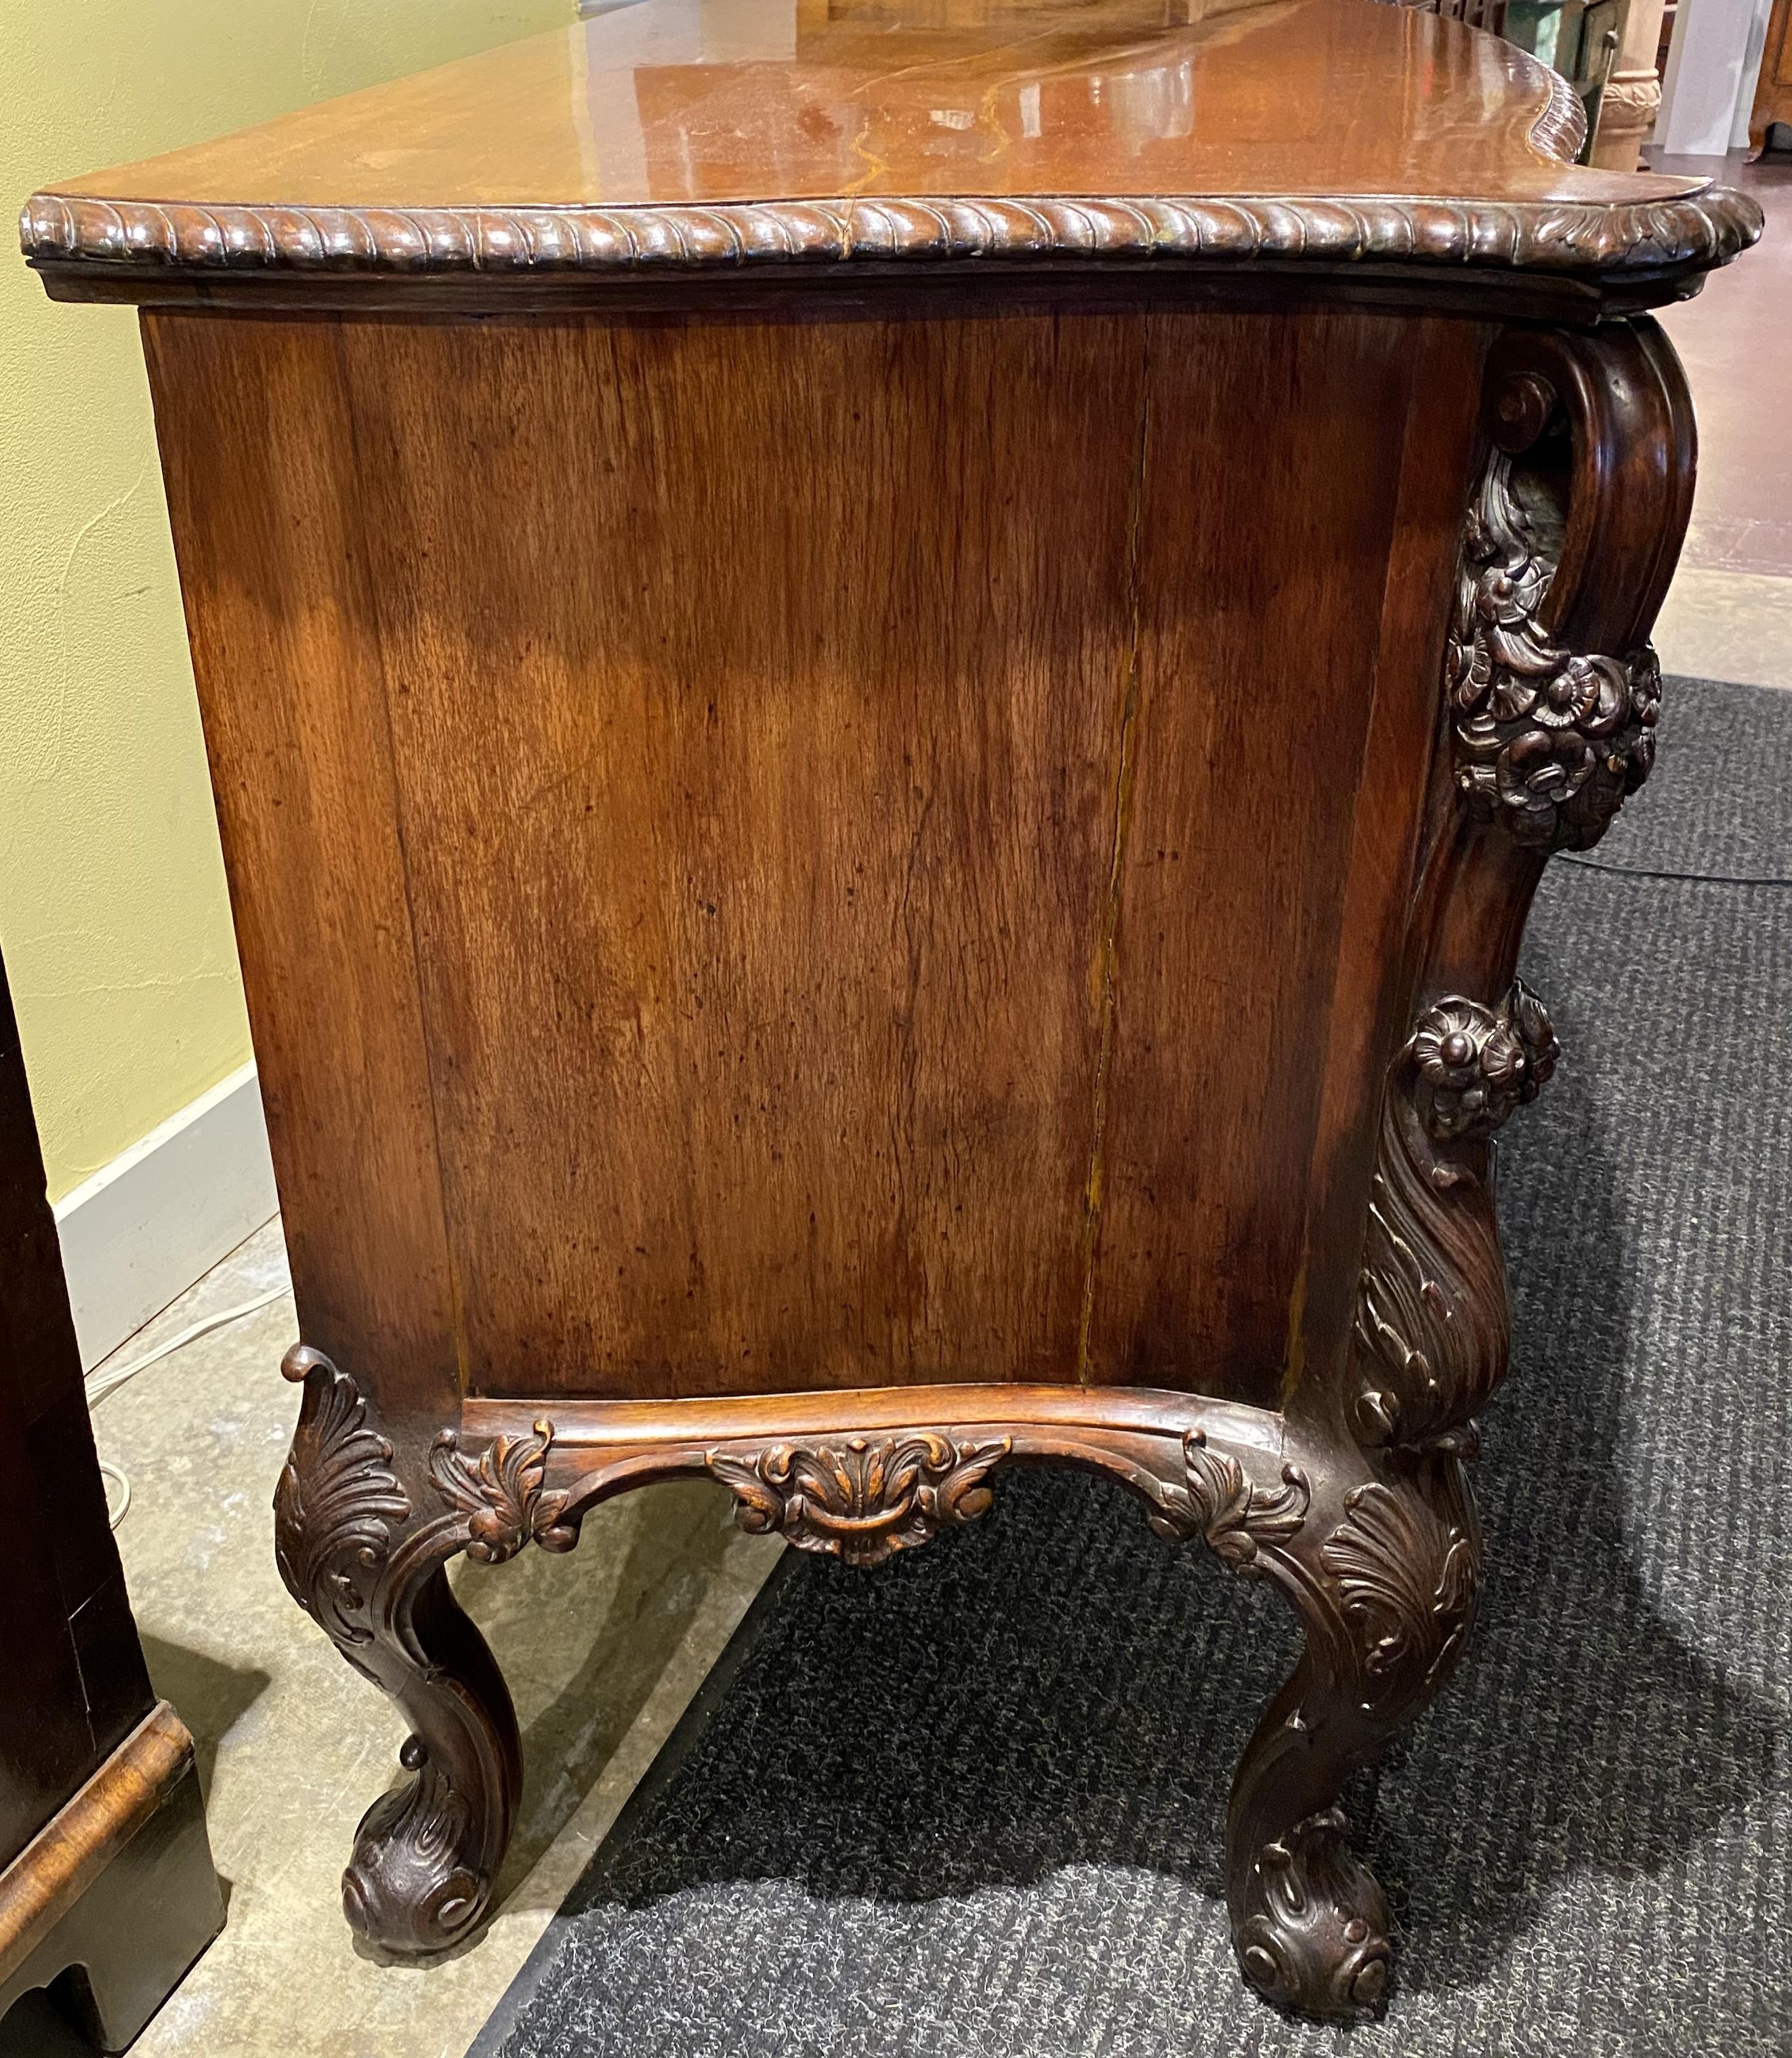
x=502, y=1495
x=336, y=1508
x=364, y=1556
x=1218, y=1500
x=1554, y=691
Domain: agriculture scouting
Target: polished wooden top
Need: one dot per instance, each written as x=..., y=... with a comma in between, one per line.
x=715, y=131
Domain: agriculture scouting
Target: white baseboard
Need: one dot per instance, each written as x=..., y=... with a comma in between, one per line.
x=142, y=1229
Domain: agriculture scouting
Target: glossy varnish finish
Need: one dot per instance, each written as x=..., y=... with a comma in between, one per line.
x=885, y=695
x=823, y=929
x=1242, y=1045
x=1302, y=132
x=738, y=103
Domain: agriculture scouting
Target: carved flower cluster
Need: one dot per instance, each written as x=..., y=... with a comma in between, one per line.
x=1478, y=1064
x=1548, y=741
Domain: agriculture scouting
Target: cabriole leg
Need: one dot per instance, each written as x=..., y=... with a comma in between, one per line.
x=362, y=1552
x=1383, y=1576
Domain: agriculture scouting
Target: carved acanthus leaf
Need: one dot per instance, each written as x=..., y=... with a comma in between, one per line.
x=1635, y=101
x=1408, y=1574
x=860, y=1498
x=336, y=1503
x=502, y=1492
x=1217, y=1500
x=1431, y=1330
x=1548, y=740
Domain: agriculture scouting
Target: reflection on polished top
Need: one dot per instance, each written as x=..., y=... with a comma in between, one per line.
x=678, y=104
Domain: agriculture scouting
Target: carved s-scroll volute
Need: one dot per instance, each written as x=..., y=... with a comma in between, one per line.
x=1571, y=536
x=1552, y=694
x=1548, y=740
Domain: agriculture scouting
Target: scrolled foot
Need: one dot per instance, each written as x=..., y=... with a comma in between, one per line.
x=408, y=1887
x=1314, y=1938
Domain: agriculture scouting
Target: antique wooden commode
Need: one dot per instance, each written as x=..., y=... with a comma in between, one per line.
x=885, y=690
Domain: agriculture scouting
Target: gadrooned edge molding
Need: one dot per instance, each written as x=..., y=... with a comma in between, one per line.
x=1560, y=129
x=1691, y=233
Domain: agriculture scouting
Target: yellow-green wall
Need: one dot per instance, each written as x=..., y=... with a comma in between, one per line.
x=113, y=916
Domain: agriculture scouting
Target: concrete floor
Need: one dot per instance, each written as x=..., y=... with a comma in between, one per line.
x=604, y=1649
x=1729, y=615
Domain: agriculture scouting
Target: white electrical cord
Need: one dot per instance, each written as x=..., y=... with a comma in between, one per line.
x=100, y=1383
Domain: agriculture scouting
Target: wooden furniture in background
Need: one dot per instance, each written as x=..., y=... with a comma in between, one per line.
x=107, y=1894
x=1632, y=99
x=1773, y=87
x=885, y=692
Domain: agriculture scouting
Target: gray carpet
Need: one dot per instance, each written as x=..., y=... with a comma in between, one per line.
x=970, y=1805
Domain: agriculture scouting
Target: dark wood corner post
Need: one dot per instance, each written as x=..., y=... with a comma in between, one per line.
x=1550, y=692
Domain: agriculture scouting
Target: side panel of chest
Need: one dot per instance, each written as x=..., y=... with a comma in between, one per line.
x=788, y=851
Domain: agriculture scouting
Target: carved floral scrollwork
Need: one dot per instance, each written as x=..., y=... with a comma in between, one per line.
x=1407, y=1573
x=502, y=1492
x=336, y=1504
x=1548, y=741
x=1430, y=1331
x=407, y=1886
x=1218, y=1502
x=860, y=1499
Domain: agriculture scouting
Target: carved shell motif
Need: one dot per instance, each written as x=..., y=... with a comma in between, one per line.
x=861, y=1499
x=501, y=1491
x=1219, y=1502
x=1548, y=741
x=1408, y=1575
x=336, y=1503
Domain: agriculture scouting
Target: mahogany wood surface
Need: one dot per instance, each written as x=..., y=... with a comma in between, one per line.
x=639, y=105
x=811, y=137
x=885, y=694
x=828, y=958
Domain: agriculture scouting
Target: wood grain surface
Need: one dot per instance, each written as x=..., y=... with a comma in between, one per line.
x=791, y=853
x=264, y=484
x=1089, y=133
x=755, y=732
